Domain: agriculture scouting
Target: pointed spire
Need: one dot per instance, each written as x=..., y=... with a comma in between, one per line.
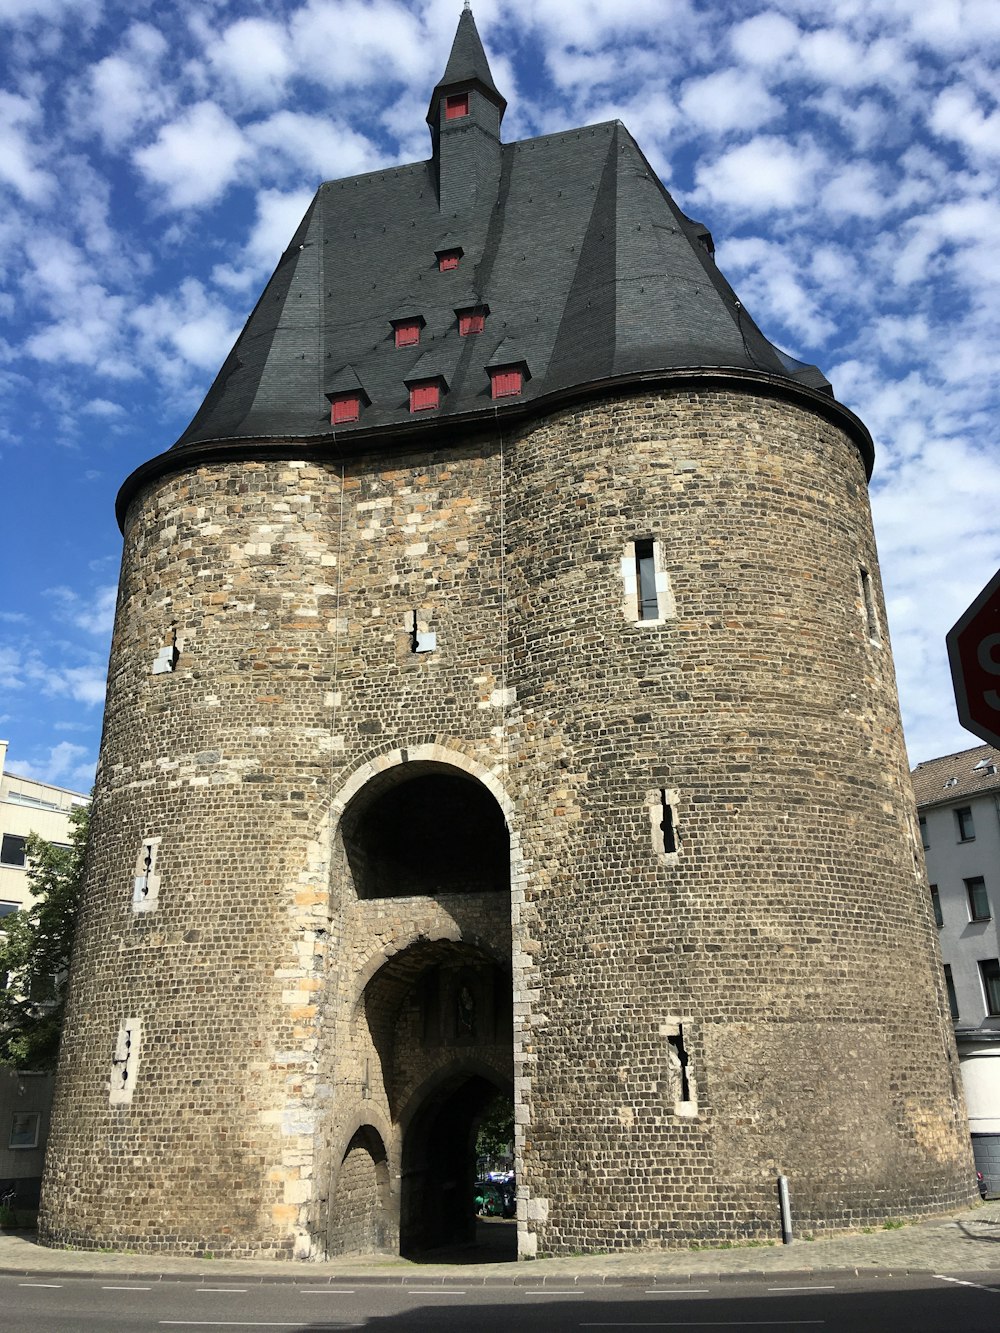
x=467, y=67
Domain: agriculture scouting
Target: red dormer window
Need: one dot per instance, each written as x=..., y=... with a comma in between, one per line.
x=425, y=395
x=344, y=408
x=506, y=382
x=407, y=331
x=456, y=105
x=448, y=259
x=472, y=320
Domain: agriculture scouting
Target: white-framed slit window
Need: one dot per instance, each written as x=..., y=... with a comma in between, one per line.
x=648, y=599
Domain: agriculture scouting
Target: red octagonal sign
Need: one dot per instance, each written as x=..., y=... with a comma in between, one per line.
x=974, y=652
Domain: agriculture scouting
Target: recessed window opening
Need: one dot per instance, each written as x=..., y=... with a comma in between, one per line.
x=871, y=619
x=924, y=838
x=936, y=904
x=989, y=970
x=146, y=880
x=406, y=332
x=964, y=823
x=645, y=575
x=667, y=824
x=449, y=259
x=13, y=851
x=681, y=1055
x=949, y=982
x=167, y=658
x=979, y=902
x=125, y=1062
x=456, y=105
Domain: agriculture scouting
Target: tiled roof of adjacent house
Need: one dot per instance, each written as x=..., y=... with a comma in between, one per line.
x=593, y=279
x=967, y=773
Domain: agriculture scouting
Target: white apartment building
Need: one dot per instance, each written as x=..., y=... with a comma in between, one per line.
x=958, y=801
x=26, y=806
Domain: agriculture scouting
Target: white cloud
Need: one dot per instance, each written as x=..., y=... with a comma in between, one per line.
x=350, y=43
x=729, y=99
x=765, y=174
x=123, y=93
x=184, y=330
x=957, y=114
x=317, y=145
x=19, y=141
x=253, y=56
x=765, y=39
x=195, y=158
x=94, y=613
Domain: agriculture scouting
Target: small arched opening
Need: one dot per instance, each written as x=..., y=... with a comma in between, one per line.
x=360, y=1219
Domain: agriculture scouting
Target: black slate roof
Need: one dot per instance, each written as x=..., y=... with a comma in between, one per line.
x=591, y=274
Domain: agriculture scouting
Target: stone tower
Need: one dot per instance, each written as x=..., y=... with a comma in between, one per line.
x=500, y=700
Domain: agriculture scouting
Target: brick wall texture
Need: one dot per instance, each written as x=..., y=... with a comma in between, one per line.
x=339, y=969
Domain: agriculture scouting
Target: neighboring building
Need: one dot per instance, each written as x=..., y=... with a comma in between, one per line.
x=500, y=699
x=26, y=806
x=958, y=800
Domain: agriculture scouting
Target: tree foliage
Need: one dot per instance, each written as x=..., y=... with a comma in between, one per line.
x=35, y=947
x=496, y=1129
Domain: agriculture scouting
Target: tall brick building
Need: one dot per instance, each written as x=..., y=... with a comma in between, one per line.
x=500, y=700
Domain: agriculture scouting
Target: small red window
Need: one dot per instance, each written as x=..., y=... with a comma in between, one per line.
x=471, y=321
x=407, y=332
x=506, y=383
x=346, y=407
x=456, y=105
x=424, y=396
x=448, y=259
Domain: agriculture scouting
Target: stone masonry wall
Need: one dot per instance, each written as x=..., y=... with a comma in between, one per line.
x=764, y=997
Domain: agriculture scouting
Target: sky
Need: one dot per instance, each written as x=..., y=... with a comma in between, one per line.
x=155, y=160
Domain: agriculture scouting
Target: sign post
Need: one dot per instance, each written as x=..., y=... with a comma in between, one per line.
x=974, y=653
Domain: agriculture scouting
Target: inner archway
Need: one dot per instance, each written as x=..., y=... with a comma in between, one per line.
x=437, y=1196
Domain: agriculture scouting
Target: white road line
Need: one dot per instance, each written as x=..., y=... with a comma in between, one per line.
x=960, y=1283
x=247, y=1323
x=676, y=1291
x=54, y=1285
x=126, y=1288
x=577, y=1291
x=326, y=1291
x=802, y=1288
x=236, y=1291
x=432, y=1291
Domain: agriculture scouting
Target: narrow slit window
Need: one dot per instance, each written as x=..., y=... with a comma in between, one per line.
x=936, y=905
x=667, y=824
x=146, y=879
x=645, y=578
x=125, y=1062
x=871, y=619
x=949, y=982
x=456, y=106
x=989, y=970
x=682, y=1088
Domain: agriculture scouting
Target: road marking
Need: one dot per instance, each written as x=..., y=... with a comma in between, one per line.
x=714, y=1323
x=960, y=1283
x=802, y=1288
x=676, y=1291
x=576, y=1291
x=126, y=1288
x=238, y=1291
x=326, y=1291
x=432, y=1291
x=247, y=1323
x=54, y=1285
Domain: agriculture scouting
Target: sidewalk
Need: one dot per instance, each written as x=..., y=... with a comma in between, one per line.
x=966, y=1242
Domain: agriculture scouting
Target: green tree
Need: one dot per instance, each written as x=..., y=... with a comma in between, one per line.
x=496, y=1129
x=35, y=948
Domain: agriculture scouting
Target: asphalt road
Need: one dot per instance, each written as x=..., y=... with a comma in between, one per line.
x=827, y=1304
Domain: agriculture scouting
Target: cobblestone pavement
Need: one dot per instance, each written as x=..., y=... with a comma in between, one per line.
x=965, y=1242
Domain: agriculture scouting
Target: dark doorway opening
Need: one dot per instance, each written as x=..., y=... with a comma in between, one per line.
x=438, y=1195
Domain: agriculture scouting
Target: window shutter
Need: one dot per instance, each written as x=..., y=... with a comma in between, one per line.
x=456, y=105
x=447, y=260
x=424, y=396
x=471, y=321
x=407, y=332
x=346, y=407
x=506, y=383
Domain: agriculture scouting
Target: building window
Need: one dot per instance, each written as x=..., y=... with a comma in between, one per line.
x=449, y=259
x=7, y=908
x=24, y=1127
x=425, y=395
x=871, y=619
x=471, y=321
x=979, y=903
x=13, y=850
x=949, y=982
x=645, y=580
x=989, y=970
x=936, y=904
x=406, y=332
x=966, y=828
x=506, y=382
x=344, y=408
x=456, y=105
x=925, y=840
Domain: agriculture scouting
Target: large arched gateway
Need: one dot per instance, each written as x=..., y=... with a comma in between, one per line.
x=421, y=871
